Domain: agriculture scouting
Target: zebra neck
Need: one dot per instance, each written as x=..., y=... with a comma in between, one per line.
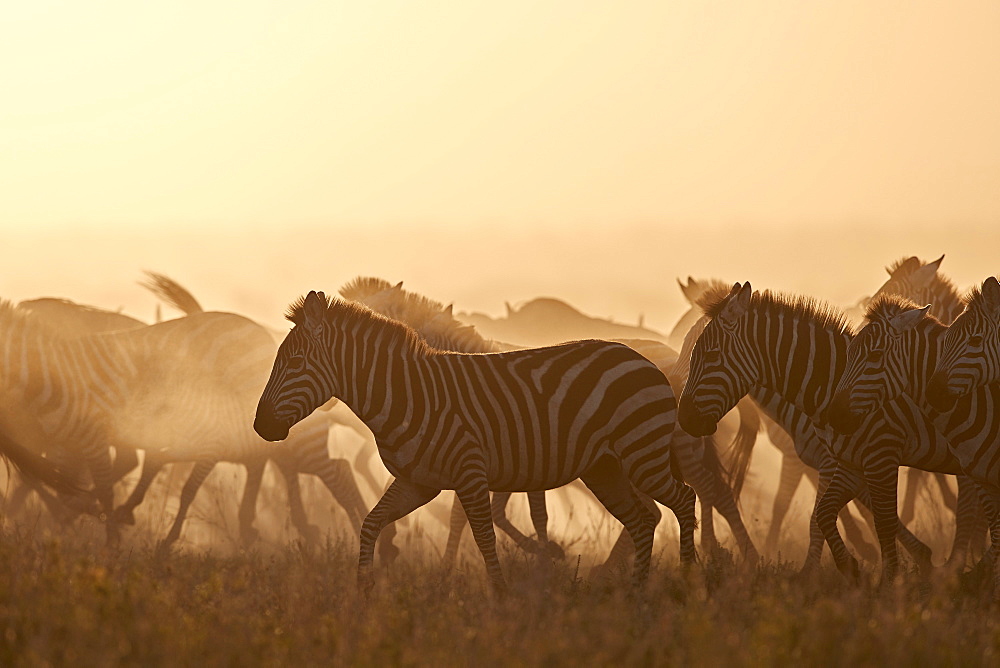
x=923, y=348
x=378, y=379
x=800, y=360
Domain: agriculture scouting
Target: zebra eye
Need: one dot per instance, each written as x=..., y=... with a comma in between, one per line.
x=296, y=362
x=875, y=356
x=712, y=355
x=975, y=341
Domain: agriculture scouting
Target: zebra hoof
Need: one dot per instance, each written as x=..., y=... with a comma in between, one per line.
x=553, y=550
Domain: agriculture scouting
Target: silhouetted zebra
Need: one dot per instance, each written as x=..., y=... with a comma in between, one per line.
x=516, y=421
x=798, y=350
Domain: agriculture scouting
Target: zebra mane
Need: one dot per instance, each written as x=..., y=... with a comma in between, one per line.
x=794, y=306
x=713, y=296
x=349, y=314
x=885, y=307
x=431, y=319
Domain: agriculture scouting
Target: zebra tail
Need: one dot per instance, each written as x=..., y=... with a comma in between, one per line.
x=741, y=449
x=33, y=466
x=172, y=293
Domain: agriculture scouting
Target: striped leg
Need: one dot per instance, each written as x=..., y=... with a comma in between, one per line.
x=201, y=470
x=990, y=497
x=456, y=527
x=400, y=499
x=338, y=477
x=882, y=485
x=609, y=484
x=967, y=512
x=660, y=484
x=248, y=505
x=914, y=478
x=98, y=459
x=839, y=491
x=540, y=520
x=475, y=497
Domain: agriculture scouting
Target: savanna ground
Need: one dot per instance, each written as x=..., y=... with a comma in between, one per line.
x=64, y=600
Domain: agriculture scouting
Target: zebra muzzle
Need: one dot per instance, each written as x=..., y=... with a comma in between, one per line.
x=842, y=418
x=692, y=420
x=940, y=395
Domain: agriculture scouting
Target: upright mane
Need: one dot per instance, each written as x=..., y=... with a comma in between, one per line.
x=973, y=299
x=430, y=319
x=346, y=315
x=884, y=307
x=793, y=306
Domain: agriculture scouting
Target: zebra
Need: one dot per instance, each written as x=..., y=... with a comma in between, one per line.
x=923, y=283
x=516, y=421
x=895, y=356
x=124, y=389
x=309, y=455
x=437, y=325
x=801, y=456
x=970, y=357
x=795, y=349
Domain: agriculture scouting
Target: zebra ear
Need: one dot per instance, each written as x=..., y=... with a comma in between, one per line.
x=314, y=309
x=922, y=277
x=737, y=304
x=907, y=320
x=991, y=295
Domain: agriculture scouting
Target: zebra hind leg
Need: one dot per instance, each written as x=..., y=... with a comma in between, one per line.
x=475, y=498
x=608, y=483
x=456, y=529
x=248, y=505
x=151, y=467
x=540, y=520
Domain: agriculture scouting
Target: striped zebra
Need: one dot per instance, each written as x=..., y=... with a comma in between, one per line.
x=923, y=283
x=801, y=456
x=82, y=394
x=970, y=357
x=896, y=355
x=698, y=462
x=516, y=421
x=797, y=349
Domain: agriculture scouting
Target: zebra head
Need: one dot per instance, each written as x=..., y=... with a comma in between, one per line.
x=302, y=378
x=877, y=366
x=971, y=354
x=723, y=366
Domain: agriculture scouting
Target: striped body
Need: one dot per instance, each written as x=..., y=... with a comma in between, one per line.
x=514, y=421
x=799, y=352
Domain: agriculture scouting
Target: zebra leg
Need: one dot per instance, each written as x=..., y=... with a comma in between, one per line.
x=248, y=505
x=662, y=486
x=400, y=499
x=967, y=512
x=456, y=528
x=609, y=484
x=498, y=509
x=909, y=510
x=201, y=470
x=151, y=466
x=98, y=459
x=475, y=497
x=126, y=459
x=290, y=472
x=540, y=520
x=792, y=470
x=338, y=476
x=839, y=491
x=917, y=549
x=882, y=485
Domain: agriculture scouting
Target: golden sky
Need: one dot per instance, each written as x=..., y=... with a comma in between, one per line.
x=516, y=118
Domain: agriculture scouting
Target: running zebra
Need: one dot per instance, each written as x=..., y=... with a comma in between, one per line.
x=515, y=421
x=797, y=350
x=895, y=356
x=126, y=388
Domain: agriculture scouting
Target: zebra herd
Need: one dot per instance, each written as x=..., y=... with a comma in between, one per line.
x=634, y=420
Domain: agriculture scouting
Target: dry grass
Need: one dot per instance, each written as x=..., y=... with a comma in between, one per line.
x=65, y=602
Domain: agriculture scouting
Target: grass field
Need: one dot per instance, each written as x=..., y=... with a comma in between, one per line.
x=64, y=601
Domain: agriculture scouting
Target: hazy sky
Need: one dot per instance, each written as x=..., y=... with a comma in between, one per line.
x=591, y=148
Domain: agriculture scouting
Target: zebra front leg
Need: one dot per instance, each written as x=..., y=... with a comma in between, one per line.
x=201, y=470
x=151, y=466
x=882, y=485
x=967, y=511
x=498, y=510
x=289, y=471
x=913, y=479
x=98, y=459
x=126, y=459
x=248, y=505
x=400, y=499
x=840, y=490
x=540, y=520
x=475, y=498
